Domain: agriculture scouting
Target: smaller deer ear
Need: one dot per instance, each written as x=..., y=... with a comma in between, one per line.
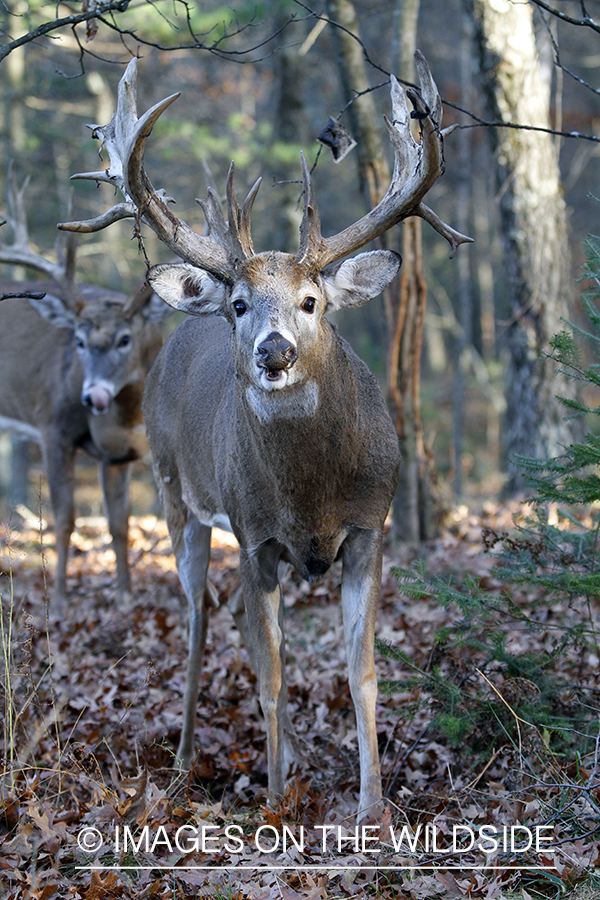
x=360, y=278
x=188, y=289
x=54, y=310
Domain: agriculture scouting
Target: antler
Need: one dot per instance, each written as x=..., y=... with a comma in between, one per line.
x=125, y=139
x=416, y=167
x=20, y=252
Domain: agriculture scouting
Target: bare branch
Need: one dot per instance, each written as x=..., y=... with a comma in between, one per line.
x=64, y=22
x=558, y=63
x=480, y=122
x=28, y=295
x=585, y=22
x=107, y=12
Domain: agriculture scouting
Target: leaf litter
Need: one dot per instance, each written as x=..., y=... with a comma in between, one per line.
x=91, y=715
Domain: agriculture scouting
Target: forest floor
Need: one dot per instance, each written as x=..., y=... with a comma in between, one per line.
x=92, y=808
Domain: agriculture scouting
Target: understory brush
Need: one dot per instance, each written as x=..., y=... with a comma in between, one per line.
x=515, y=665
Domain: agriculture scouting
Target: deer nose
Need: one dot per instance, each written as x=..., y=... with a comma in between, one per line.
x=98, y=398
x=276, y=352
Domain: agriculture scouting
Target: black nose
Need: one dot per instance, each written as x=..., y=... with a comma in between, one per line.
x=276, y=352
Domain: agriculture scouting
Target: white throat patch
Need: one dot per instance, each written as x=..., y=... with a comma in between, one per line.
x=299, y=403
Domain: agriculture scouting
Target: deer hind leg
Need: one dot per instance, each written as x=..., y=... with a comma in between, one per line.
x=361, y=585
x=264, y=615
x=237, y=608
x=61, y=478
x=191, y=545
x=114, y=480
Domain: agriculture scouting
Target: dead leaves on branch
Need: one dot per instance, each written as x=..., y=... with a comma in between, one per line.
x=91, y=723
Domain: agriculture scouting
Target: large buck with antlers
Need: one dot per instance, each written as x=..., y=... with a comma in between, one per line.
x=259, y=415
x=73, y=361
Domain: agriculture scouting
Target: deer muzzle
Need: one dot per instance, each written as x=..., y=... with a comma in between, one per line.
x=98, y=398
x=275, y=354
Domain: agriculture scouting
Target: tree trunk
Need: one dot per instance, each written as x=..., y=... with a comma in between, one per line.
x=365, y=124
x=463, y=268
x=289, y=128
x=413, y=506
x=534, y=227
x=404, y=304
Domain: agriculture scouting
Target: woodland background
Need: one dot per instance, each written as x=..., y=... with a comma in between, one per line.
x=96, y=704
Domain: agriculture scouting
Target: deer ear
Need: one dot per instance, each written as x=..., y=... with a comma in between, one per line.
x=155, y=309
x=360, y=278
x=54, y=310
x=188, y=289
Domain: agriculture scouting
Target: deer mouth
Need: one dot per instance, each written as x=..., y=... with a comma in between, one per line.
x=272, y=378
x=273, y=374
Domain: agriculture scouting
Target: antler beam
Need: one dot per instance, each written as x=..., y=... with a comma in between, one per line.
x=416, y=167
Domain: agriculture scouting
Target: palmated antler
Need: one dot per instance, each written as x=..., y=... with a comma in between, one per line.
x=416, y=167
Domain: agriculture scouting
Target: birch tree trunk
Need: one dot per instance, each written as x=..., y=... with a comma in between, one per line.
x=534, y=227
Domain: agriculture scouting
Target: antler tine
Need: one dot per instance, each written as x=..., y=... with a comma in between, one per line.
x=125, y=139
x=232, y=233
x=416, y=167
x=239, y=236
x=244, y=224
x=311, y=240
x=16, y=206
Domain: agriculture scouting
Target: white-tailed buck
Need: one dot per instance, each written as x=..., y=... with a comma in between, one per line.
x=72, y=370
x=259, y=415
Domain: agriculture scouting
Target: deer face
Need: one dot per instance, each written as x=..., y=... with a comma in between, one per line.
x=275, y=311
x=109, y=341
x=108, y=347
x=276, y=308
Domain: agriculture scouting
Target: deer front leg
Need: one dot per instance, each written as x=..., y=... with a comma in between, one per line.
x=361, y=585
x=59, y=460
x=260, y=585
x=237, y=608
x=114, y=480
x=192, y=552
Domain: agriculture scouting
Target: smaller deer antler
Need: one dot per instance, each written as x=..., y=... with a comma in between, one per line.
x=20, y=251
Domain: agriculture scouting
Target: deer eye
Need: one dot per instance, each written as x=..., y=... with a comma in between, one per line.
x=124, y=341
x=79, y=342
x=308, y=304
x=239, y=308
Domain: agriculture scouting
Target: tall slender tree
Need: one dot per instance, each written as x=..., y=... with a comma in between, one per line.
x=405, y=303
x=534, y=225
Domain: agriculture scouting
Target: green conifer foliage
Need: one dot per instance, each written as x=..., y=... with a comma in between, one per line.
x=481, y=690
